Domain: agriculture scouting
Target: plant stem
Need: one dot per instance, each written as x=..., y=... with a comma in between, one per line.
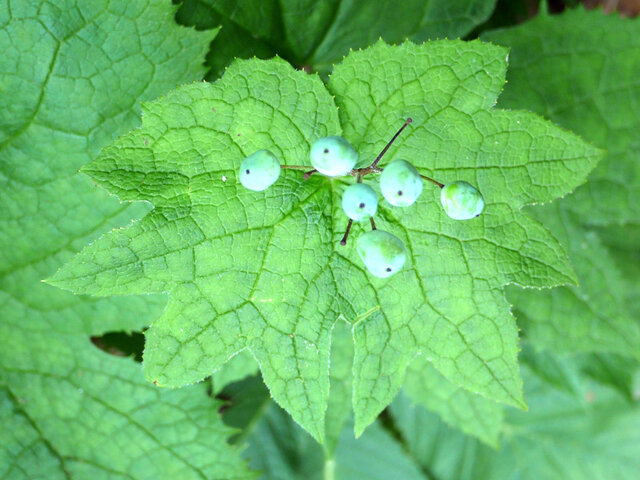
x=309, y=173
x=441, y=185
x=329, y=469
x=360, y=173
x=294, y=167
x=346, y=234
x=384, y=150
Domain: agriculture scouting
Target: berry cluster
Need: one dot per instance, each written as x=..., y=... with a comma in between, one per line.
x=400, y=183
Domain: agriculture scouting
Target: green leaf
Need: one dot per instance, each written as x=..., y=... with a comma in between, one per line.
x=71, y=76
x=315, y=35
x=265, y=271
x=339, y=404
x=621, y=373
x=24, y=452
x=239, y=367
x=357, y=24
x=283, y=451
x=260, y=290
x=69, y=390
x=233, y=40
x=593, y=317
x=623, y=243
x=376, y=455
x=458, y=407
x=340, y=381
x=590, y=433
x=578, y=70
x=448, y=302
x=624, y=250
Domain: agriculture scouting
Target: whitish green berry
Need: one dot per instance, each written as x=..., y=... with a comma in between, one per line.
x=382, y=253
x=259, y=170
x=359, y=202
x=400, y=183
x=461, y=201
x=333, y=156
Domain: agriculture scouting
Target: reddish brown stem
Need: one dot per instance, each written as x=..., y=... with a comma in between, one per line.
x=294, y=167
x=384, y=150
x=309, y=173
x=346, y=233
x=441, y=185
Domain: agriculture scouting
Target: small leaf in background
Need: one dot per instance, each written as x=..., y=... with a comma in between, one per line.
x=24, y=452
x=471, y=413
x=588, y=432
x=281, y=450
x=315, y=35
x=579, y=70
x=241, y=366
x=264, y=271
x=623, y=243
x=72, y=75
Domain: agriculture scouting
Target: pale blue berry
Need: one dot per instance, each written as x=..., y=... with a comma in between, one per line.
x=461, y=200
x=359, y=202
x=259, y=170
x=400, y=183
x=333, y=156
x=382, y=252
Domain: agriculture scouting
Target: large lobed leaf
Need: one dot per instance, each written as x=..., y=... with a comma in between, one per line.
x=265, y=271
x=580, y=69
x=71, y=76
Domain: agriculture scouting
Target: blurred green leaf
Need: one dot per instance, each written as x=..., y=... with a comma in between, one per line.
x=71, y=78
x=315, y=34
x=471, y=413
x=239, y=367
x=281, y=450
x=580, y=70
x=588, y=432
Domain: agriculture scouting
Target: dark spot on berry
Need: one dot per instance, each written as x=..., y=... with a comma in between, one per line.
x=326, y=150
x=361, y=205
x=247, y=171
x=388, y=269
x=399, y=193
x=477, y=215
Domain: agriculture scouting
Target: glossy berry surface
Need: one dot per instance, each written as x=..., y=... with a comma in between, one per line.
x=333, y=156
x=259, y=170
x=400, y=183
x=461, y=200
x=359, y=202
x=382, y=252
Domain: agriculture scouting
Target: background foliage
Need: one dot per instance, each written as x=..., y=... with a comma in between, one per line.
x=71, y=81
